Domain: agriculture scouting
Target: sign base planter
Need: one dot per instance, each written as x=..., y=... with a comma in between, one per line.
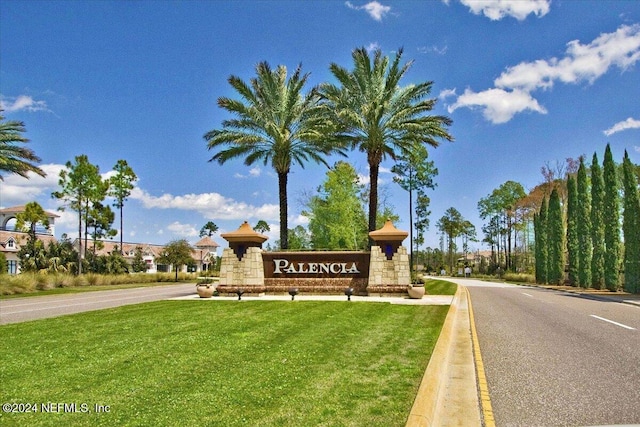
x=416, y=291
x=205, y=291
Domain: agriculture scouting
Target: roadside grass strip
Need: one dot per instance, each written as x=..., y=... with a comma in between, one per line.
x=440, y=287
x=267, y=363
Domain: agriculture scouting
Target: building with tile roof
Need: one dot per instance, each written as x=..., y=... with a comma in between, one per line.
x=11, y=239
x=204, y=252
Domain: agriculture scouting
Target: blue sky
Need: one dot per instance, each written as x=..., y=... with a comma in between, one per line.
x=527, y=83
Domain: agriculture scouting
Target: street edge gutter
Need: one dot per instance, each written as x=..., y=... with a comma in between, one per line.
x=483, y=388
x=595, y=297
x=425, y=406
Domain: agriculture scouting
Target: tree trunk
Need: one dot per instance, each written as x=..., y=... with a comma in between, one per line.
x=80, y=242
x=509, y=232
x=121, y=253
x=282, y=189
x=86, y=226
x=411, y=260
x=374, y=168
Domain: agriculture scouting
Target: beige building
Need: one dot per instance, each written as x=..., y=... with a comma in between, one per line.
x=11, y=240
x=204, y=252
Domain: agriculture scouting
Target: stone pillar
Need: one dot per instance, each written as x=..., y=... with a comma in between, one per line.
x=389, y=266
x=241, y=265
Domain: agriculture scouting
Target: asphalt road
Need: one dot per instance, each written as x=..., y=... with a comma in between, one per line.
x=557, y=359
x=31, y=308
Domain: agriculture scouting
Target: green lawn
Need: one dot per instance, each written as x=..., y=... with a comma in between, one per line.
x=221, y=363
x=440, y=287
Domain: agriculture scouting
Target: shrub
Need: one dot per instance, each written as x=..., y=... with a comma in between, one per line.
x=32, y=282
x=519, y=277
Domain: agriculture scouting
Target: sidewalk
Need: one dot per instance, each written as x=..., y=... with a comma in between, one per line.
x=448, y=393
x=426, y=300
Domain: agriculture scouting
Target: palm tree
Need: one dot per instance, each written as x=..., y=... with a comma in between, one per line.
x=372, y=113
x=275, y=123
x=13, y=158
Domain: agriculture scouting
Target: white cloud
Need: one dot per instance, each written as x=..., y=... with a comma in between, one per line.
x=588, y=62
x=16, y=190
x=274, y=233
x=22, y=102
x=364, y=179
x=498, y=105
x=372, y=47
x=183, y=230
x=210, y=205
x=447, y=93
x=299, y=220
x=376, y=10
x=498, y=9
x=630, y=123
x=68, y=221
x=433, y=49
x=636, y=148
x=253, y=172
x=581, y=62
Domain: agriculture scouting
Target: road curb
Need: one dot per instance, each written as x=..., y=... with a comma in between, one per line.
x=483, y=387
x=599, y=297
x=448, y=394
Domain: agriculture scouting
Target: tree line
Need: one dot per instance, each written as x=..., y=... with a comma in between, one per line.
x=83, y=190
x=581, y=236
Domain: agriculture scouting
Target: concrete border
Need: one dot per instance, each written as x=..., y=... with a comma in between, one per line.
x=483, y=388
x=448, y=393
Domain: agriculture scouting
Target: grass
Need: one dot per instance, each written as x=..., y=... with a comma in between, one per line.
x=439, y=287
x=261, y=363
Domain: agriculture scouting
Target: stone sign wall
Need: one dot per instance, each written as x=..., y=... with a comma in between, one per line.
x=316, y=272
x=384, y=270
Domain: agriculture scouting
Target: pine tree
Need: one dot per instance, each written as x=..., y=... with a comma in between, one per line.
x=584, y=228
x=597, y=224
x=555, y=233
x=541, y=244
x=611, y=217
x=572, y=231
x=631, y=227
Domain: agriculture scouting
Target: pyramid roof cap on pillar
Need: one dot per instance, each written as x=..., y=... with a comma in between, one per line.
x=388, y=233
x=244, y=234
x=206, y=242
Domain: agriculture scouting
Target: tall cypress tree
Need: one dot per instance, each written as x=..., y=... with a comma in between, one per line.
x=584, y=228
x=572, y=230
x=541, y=244
x=555, y=234
x=631, y=227
x=536, y=246
x=597, y=224
x=611, y=217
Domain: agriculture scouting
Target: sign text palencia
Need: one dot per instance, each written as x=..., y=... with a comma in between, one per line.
x=284, y=266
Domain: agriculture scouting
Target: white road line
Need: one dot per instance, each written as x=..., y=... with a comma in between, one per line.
x=529, y=295
x=615, y=323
